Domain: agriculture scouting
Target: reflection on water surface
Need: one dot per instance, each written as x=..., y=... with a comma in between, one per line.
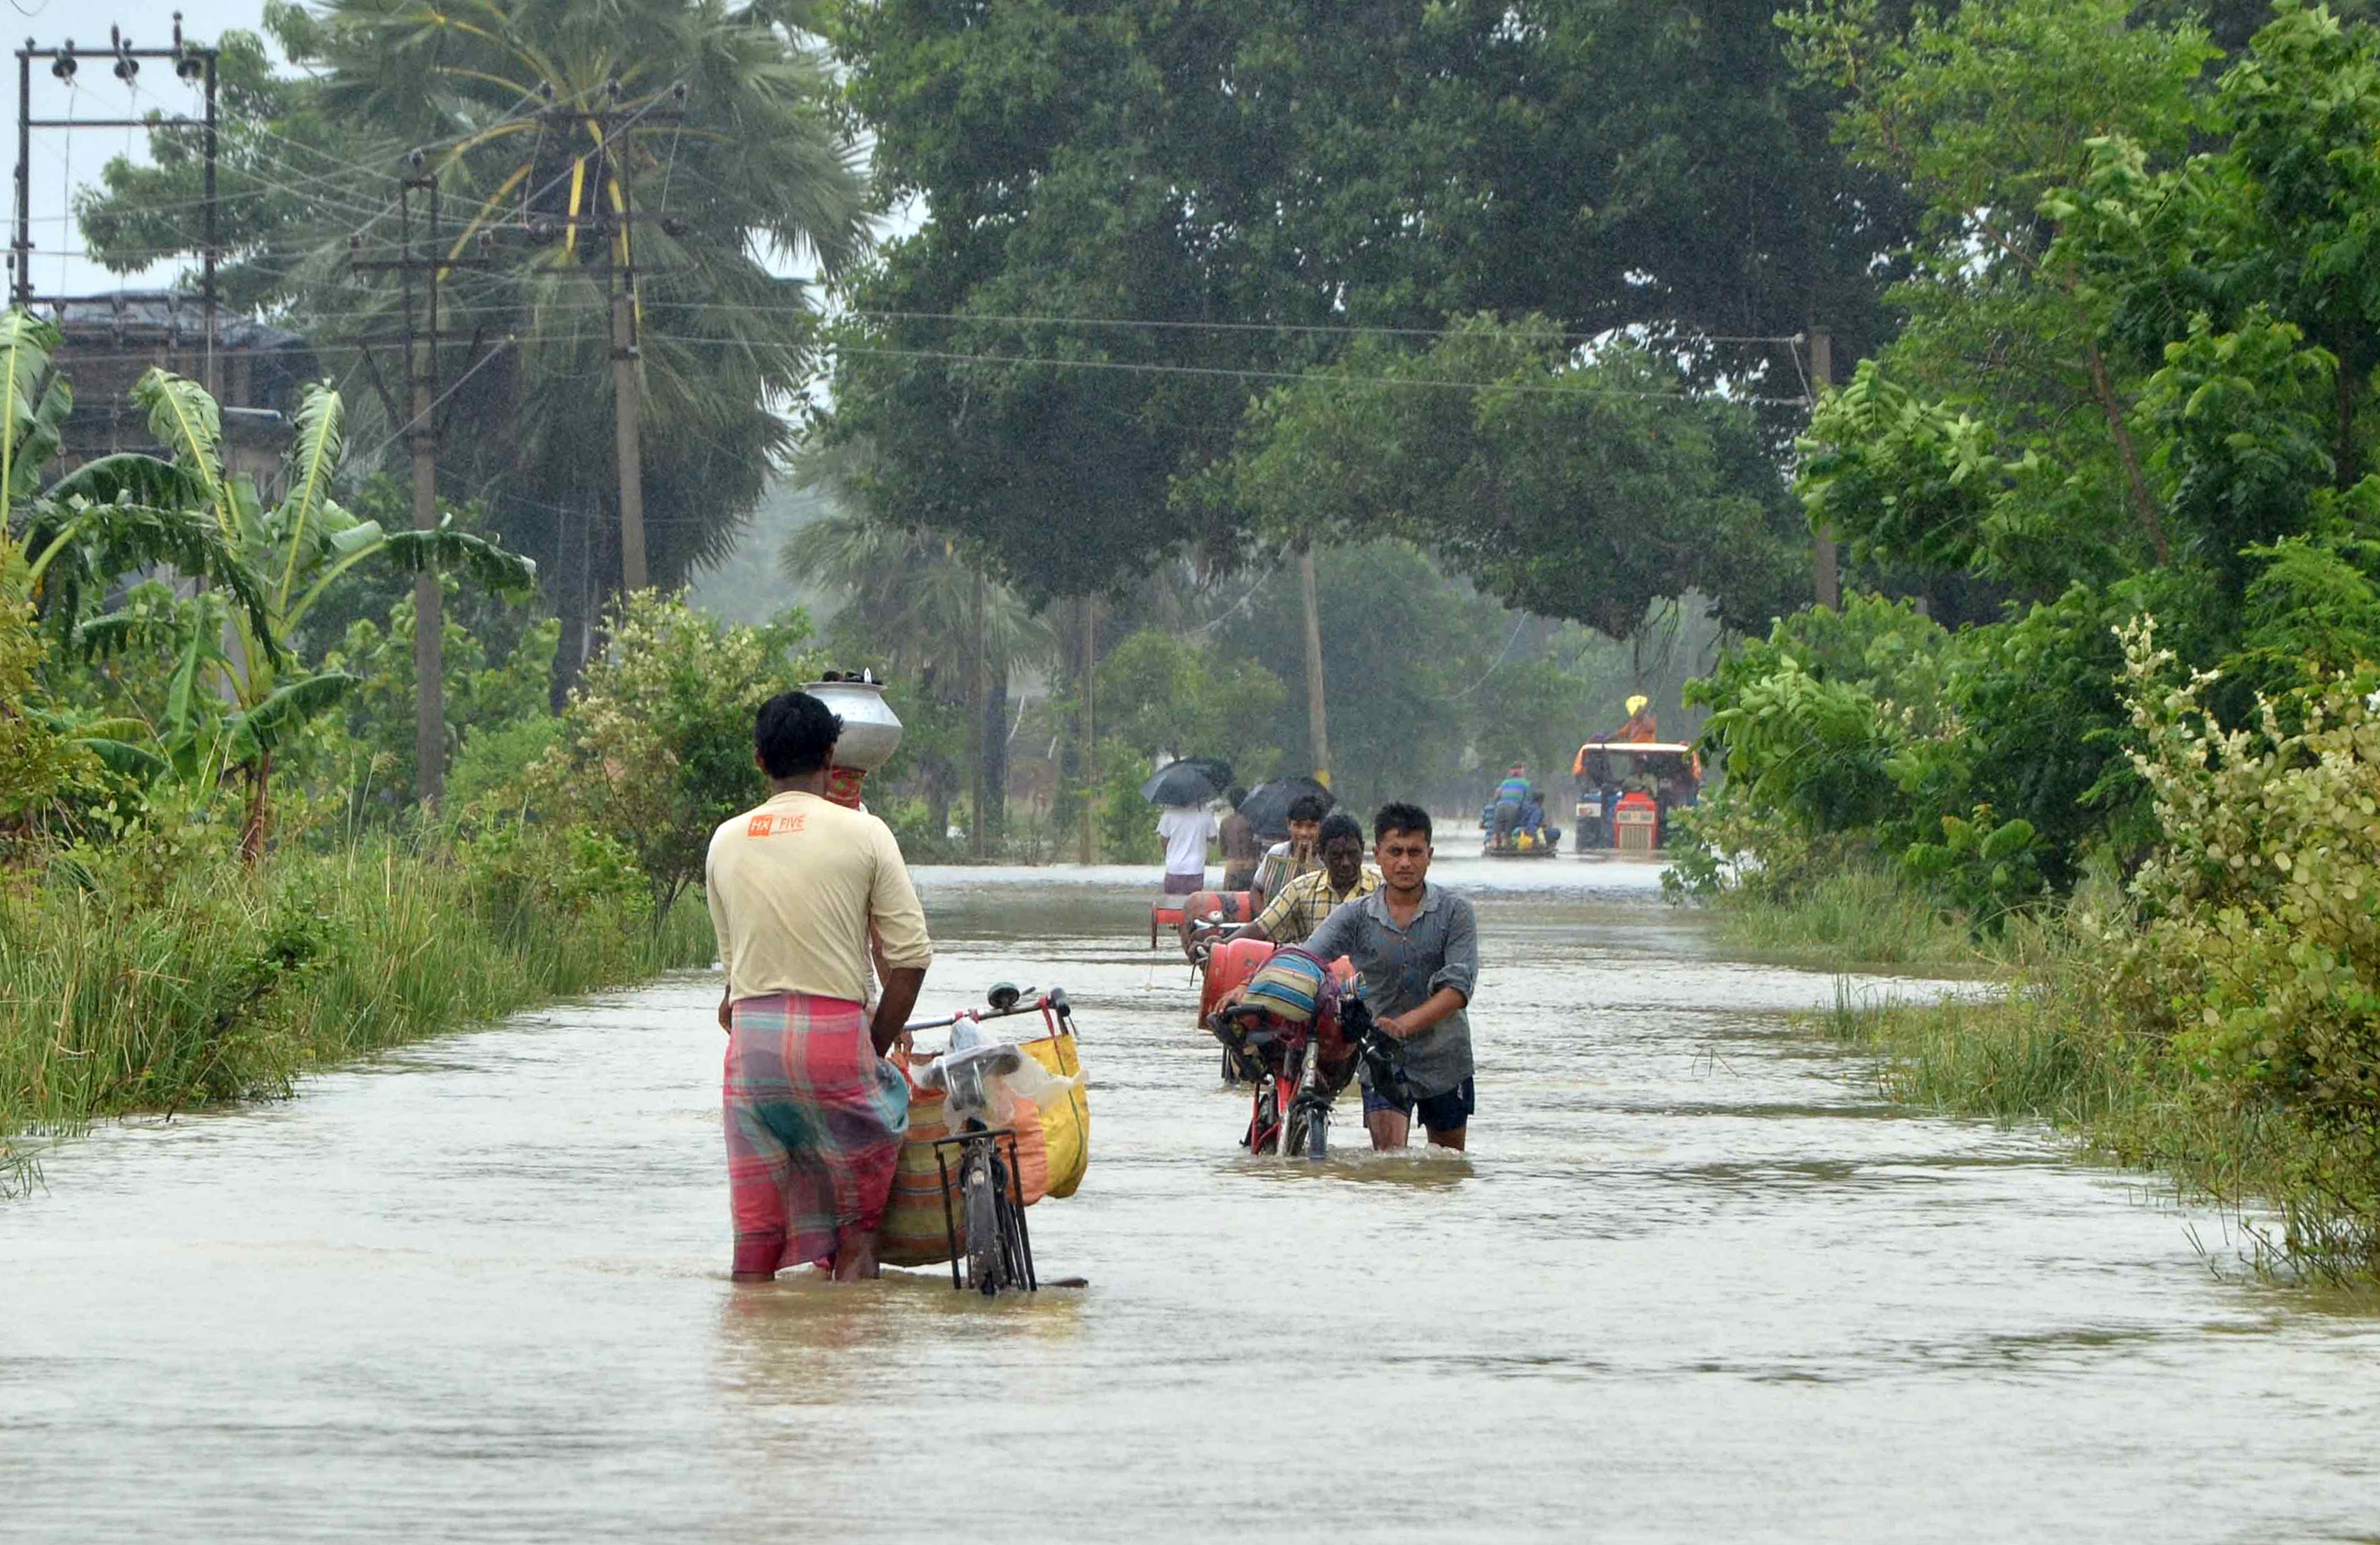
x=1694, y=1281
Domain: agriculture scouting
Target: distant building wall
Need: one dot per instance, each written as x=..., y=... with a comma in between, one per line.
x=107, y=345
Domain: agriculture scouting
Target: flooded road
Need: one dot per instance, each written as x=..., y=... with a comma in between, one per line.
x=1694, y=1281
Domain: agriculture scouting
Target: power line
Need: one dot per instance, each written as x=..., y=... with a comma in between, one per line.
x=1315, y=377
x=1349, y=329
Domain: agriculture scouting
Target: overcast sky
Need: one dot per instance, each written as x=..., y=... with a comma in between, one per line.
x=63, y=159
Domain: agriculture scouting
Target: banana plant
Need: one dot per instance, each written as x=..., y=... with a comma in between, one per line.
x=111, y=517
x=237, y=692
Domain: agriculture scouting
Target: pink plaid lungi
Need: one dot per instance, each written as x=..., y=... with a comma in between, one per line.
x=814, y=1120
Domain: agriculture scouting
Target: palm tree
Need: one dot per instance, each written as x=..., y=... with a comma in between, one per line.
x=940, y=621
x=570, y=142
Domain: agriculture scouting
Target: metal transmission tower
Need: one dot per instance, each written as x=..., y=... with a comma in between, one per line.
x=420, y=425
x=193, y=65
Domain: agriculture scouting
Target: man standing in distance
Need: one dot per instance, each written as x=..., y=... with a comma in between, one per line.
x=1186, y=830
x=815, y=1116
x=1241, y=850
x=1416, y=947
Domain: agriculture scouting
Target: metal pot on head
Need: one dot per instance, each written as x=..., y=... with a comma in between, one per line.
x=871, y=731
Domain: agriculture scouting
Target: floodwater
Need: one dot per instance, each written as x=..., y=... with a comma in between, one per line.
x=1695, y=1281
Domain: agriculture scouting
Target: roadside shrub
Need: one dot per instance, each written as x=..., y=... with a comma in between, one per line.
x=515, y=871
x=2260, y=947
x=655, y=747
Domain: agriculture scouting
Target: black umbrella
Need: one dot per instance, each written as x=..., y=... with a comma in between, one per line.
x=1267, y=807
x=1191, y=781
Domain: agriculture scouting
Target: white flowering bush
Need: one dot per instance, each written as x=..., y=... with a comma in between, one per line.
x=2259, y=943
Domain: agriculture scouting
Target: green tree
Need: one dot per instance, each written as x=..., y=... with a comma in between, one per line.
x=1140, y=215
x=1162, y=697
x=655, y=747
x=916, y=605
x=237, y=689
x=1580, y=488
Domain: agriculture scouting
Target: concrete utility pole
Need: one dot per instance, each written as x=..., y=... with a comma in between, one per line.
x=1822, y=375
x=980, y=739
x=419, y=339
x=420, y=431
x=428, y=601
x=1318, y=721
x=1090, y=727
x=627, y=411
x=610, y=127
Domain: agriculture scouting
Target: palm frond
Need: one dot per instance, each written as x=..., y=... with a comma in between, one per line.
x=134, y=627
x=130, y=478
x=124, y=759
x=97, y=544
x=477, y=559
x=26, y=343
x=313, y=461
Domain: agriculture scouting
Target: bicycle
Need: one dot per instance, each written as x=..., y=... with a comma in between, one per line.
x=998, y=1245
x=1285, y=1059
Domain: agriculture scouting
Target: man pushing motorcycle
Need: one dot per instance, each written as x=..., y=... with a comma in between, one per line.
x=1416, y=947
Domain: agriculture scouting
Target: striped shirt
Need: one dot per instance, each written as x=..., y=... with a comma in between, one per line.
x=1279, y=869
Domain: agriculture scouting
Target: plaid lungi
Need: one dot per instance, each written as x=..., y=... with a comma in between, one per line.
x=815, y=1120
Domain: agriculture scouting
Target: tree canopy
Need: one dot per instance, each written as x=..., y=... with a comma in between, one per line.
x=1139, y=218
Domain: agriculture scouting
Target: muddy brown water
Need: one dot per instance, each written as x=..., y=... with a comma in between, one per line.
x=1695, y=1281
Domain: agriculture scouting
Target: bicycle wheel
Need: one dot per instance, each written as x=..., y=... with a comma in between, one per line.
x=1264, y=1129
x=1016, y=1245
x=981, y=1203
x=1317, y=1129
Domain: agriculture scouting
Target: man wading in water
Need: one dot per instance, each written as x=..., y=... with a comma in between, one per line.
x=815, y=1114
x=1416, y=948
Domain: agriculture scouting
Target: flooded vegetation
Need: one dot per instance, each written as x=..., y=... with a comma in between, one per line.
x=1696, y=1279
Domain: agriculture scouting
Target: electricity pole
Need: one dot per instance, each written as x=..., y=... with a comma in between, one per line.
x=1822, y=375
x=1090, y=727
x=420, y=428
x=610, y=127
x=1317, y=723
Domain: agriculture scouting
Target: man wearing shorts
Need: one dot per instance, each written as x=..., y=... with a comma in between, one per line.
x=1416, y=948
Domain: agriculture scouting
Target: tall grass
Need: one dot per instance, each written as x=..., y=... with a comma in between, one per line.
x=2057, y=1047
x=132, y=990
x=1858, y=914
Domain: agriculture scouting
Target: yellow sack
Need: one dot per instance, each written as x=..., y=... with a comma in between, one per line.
x=1065, y=1126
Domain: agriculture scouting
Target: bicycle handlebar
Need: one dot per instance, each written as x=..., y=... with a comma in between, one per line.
x=1054, y=1001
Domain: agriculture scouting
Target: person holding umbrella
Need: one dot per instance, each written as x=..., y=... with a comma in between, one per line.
x=1186, y=829
x=1185, y=789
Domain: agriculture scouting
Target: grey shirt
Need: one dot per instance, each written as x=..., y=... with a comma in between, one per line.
x=1401, y=967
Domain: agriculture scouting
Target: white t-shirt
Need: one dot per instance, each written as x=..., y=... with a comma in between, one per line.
x=1187, y=833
